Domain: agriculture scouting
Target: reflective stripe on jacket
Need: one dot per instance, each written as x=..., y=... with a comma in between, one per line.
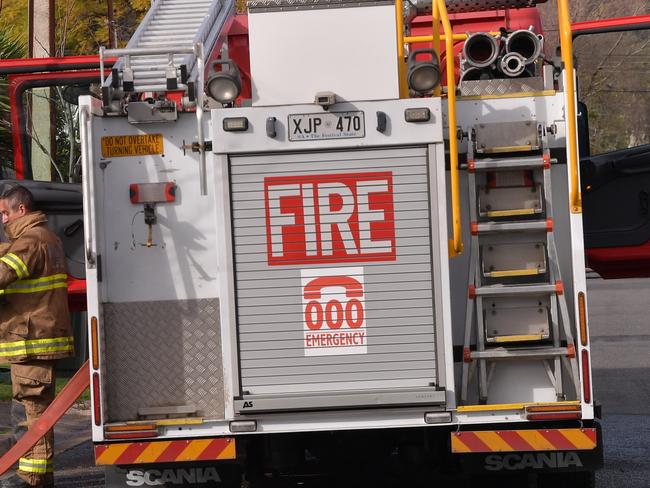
x=34, y=316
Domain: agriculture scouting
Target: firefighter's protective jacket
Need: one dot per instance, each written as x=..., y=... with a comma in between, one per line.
x=34, y=317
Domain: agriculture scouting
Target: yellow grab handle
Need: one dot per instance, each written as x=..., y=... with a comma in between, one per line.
x=401, y=67
x=439, y=14
x=566, y=43
x=456, y=243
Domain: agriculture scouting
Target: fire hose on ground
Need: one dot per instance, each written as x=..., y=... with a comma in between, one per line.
x=61, y=404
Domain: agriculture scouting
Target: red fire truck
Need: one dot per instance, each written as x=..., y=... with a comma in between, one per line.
x=338, y=255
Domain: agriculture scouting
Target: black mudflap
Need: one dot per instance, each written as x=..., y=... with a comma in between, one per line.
x=178, y=475
x=506, y=464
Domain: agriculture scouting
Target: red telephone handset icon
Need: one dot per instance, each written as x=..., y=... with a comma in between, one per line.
x=353, y=289
x=334, y=313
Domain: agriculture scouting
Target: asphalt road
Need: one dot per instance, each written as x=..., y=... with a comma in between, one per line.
x=619, y=317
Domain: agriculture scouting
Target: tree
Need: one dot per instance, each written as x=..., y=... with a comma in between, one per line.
x=11, y=46
x=81, y=28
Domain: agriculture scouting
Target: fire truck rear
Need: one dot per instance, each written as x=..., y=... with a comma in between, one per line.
x=369, y=271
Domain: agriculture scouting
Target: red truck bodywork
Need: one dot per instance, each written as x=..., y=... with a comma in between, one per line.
x=611, y=262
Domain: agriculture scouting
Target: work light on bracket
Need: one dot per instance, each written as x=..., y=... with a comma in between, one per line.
x=225, y=85
x=424, y=75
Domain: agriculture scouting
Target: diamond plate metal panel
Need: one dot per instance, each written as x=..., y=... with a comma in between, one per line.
x=477, y=88
x=463, y=6
x=453, y=6
x=165, y=353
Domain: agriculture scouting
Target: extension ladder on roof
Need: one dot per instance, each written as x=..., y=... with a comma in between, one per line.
x=162, y=55
x=516, y=307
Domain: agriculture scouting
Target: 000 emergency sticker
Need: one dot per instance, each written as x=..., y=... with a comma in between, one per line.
x=334, y=314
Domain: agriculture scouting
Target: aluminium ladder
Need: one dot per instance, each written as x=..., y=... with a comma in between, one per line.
x=516, y=308
x=160, y=57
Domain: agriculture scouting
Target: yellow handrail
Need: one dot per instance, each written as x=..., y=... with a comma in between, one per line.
x=401, y=67
x=435, y=38
x=457, y=37
x=439, y=14
x=456, y=243
x=566, y=43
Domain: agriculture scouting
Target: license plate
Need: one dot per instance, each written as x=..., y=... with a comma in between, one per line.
x=328, y=125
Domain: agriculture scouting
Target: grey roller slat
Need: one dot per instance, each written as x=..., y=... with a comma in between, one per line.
x=408, y=396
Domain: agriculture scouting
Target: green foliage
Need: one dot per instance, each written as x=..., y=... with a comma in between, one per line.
x=81, y=25
x=614, y=83
x=81, y=28
x=11, y=46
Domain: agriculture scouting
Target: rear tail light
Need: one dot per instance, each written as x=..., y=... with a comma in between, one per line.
x=94, y=340
x=586, y=383
x=555, y=416
x=130, y=431
x=582, y=314
x=553, y=412
x=97, y=412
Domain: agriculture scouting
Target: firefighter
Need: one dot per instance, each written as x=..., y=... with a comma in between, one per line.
x=35, y=325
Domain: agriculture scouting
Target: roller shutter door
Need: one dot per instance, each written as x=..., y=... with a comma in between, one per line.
x=332, y=258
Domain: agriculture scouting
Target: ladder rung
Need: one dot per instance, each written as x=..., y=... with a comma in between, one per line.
x=516, y=338
x=505, y=290
x=514, y=273
x=520, y=353
x=505, y=164
x=515, y=212
x=533, y=225
x=508, y=149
